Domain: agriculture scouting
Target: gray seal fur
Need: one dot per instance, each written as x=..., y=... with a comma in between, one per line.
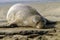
x=24, y=15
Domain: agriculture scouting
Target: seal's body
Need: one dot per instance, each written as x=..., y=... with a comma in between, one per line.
x=24, y=15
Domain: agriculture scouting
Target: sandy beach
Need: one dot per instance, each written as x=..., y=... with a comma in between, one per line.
x=50, y=11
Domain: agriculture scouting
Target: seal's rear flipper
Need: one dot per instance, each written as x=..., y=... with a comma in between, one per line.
x=50, y=24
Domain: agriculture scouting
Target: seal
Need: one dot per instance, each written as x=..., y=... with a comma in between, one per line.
x=25, y=15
